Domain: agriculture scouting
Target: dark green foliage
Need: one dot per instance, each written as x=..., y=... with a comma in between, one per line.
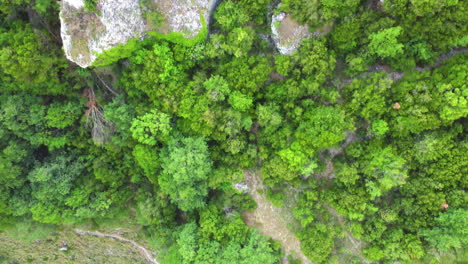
x=29, y=62
x=151, y=128
x=316, y=13
x=451, y=230
x=317, y=242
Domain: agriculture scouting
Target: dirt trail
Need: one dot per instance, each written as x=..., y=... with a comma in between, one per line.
x=146, y=253
x=396, y=76
x=267, y=218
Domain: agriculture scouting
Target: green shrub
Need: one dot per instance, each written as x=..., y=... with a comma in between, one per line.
x=90, y=5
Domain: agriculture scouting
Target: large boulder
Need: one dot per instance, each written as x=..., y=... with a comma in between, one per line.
x=87, y=34
x=287, y=33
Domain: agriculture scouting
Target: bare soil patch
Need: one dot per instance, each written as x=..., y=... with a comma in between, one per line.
x=268, y=220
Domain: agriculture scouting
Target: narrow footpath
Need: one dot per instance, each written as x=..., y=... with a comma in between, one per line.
x=146, y=253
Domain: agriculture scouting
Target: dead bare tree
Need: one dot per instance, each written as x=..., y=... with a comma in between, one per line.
x=101, y=129
x=105, y=85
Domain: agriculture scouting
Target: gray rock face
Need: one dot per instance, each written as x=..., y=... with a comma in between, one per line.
x=184, y=15
x=287, y=34
x=87, y=34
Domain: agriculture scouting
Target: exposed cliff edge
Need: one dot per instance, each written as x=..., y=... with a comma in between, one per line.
x=86, y=34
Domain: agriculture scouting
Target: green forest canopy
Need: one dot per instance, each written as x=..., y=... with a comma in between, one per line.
x=160, y=137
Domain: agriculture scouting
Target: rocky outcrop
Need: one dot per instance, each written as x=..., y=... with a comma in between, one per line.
x=287, y=34
x=184, y=15
x=87, y=34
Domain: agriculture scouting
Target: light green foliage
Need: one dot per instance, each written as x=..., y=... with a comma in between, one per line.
x=347, y=174
x=321, y=128
x=186, y=165
x=269, y=118
x=217, y=88
x=386, y=170
x=367, y=97
x=257, y=250
x=374, y=253
x=239, y=41
x=90, y=5
x=187, y=242
x=153, y=68
x=354, y=203
x=117, y=53
x=433, y=102
x=283, y=64
x=396, y=245
x=379, y=127
x=278, y=170
x=223, y=175
x=229, y=16
x=385, y=43
x=247, y=74
x=151, y=128
x=148, y=159
x=451, y=230
x=303, y=212
x=315, y=61
x=240, y=102
x=296, y=160
x=253, y=249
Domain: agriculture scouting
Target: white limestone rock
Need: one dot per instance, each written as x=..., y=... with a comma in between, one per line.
x=76, y=3
x=241, y=187
x=183, y=16
x=287, y=34
x=87, y=34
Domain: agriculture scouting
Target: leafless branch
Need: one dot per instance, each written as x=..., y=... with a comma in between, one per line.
x=101, y=129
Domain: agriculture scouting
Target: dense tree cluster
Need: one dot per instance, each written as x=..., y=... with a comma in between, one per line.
x=367, y=125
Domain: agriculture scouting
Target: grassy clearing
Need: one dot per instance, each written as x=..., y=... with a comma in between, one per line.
x=80, y=249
